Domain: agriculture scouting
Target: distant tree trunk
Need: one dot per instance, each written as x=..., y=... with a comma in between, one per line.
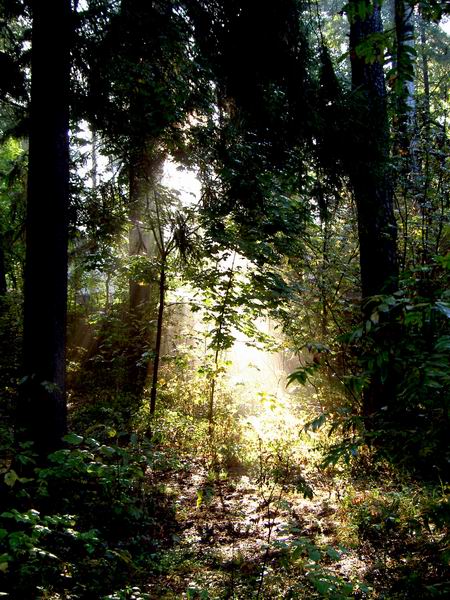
x=406, y=104
x=425, y=208
x=145, y=166
x=425, y=75
x=144, y=172
x=3, y=287
x=42, y=406
x=371, y=176
x=94, y=169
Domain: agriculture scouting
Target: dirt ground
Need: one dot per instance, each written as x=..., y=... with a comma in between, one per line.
x=239, y=538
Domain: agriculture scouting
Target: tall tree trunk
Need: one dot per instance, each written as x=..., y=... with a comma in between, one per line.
x=42, y=405
x=144, y=173
x=369, y=169
x=370, y=176
x=145, y=166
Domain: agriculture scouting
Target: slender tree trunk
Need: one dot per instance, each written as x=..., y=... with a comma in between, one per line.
x=159, y=328
x=94, y=170
x=322, y=277
x=425, y=75
x=425, y=208
x=3, y=287
x=42, y=405
x=371, y=179
x=405, y=88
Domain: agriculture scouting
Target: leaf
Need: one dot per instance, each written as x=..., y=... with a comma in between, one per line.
x=443, y=344
x=4, y=558
x=297, y=552
x=333, y=554
x=322, y=586
x=444, y=261
x=317, y=423
x=444, y=308
x=10, y=478
x=375, y=317
x=314, y=554
x=73, y=439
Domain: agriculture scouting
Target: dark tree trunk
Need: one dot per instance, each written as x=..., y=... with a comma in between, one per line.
x=3, y=287
x=41, y=414
x=369, y=170
x=159, y=328
x=371, y=178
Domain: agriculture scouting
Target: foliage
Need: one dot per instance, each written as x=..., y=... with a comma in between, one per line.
x=12, y=208
x=405, y=521
x=412, y=431
x=94, y=521
x=301, y=553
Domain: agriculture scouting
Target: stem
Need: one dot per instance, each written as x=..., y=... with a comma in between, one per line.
x=162, y=297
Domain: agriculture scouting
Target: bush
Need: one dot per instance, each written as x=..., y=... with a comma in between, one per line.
x=83, y=525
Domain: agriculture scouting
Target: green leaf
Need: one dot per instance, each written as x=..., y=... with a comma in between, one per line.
x=317, y=423
x=73, y=439
x=4, y=560
x=444, y=308
x=10, y=478
x=333, y=554
x=314, y=554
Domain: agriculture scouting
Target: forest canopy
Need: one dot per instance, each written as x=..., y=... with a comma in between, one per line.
x=224, y=300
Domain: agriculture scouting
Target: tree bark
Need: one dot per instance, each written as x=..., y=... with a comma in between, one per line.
x=41, y=414
x=406, y=105
x=369, y=168
x=371, y=179
x=145, y=166
x=425, y=75
x=144, y=172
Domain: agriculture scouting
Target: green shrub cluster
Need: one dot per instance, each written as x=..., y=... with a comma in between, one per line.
x=83, y=526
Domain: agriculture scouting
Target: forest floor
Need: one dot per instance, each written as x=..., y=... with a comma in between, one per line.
x=238, y=538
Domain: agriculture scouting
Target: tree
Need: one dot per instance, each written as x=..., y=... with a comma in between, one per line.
x=141, y=83
x=42, y=406
x=369, y=168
